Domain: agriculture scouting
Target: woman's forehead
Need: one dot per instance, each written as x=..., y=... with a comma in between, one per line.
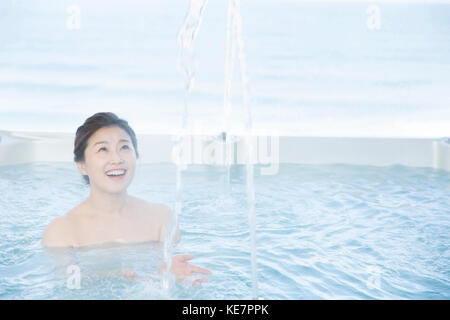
x=109, y=135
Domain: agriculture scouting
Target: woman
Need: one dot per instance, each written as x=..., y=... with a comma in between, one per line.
x=105, y=154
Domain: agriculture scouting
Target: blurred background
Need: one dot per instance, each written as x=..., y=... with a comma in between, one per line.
x=353, y=68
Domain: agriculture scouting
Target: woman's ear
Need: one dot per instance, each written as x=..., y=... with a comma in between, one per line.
x=82, y=168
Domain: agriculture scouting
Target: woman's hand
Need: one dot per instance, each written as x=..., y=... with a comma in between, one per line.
x=128, y=274
x=182, y=269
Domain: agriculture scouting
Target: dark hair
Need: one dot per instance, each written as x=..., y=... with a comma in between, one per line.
x=91, y=125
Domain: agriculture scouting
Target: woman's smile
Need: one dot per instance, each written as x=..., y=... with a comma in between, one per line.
x=116, y=174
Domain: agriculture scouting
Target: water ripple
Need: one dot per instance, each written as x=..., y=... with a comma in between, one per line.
x=341, y=232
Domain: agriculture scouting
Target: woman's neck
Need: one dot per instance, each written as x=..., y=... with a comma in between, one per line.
x=108, y=204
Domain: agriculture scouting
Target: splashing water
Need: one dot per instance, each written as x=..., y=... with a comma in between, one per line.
x=235, y=45
x=234, y=31
x=185, y=59
x=185, y=65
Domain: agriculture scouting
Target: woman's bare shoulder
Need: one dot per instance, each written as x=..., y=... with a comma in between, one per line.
x=155, y=210
x=59, y=232
x=159, y=215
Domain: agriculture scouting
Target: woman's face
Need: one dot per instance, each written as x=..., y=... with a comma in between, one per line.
x=110, y=160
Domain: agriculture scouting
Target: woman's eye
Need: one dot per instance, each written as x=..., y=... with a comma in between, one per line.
x=126, y=147
x=102, y=148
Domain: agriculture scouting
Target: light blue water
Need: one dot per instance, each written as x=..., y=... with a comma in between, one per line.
x=315, y=68
x=335, y=231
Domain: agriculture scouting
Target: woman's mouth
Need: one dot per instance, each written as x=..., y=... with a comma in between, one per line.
x=116, y=174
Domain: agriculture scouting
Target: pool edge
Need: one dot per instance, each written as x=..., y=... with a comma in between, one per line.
x=23, y=147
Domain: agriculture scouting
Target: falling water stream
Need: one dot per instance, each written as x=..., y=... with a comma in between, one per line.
x=235, y=44
x=186, y=65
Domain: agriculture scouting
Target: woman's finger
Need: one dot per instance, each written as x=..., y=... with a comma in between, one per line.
x=185, y=257
x=128, y=273
x=200, y=270
x=198, y=281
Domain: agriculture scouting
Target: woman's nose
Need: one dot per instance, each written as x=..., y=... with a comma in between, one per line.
x=116, y=158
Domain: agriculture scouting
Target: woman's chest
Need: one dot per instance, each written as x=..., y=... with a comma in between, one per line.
x=130, y=230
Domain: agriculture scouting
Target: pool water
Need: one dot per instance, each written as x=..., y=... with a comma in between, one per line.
x=322, y=232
